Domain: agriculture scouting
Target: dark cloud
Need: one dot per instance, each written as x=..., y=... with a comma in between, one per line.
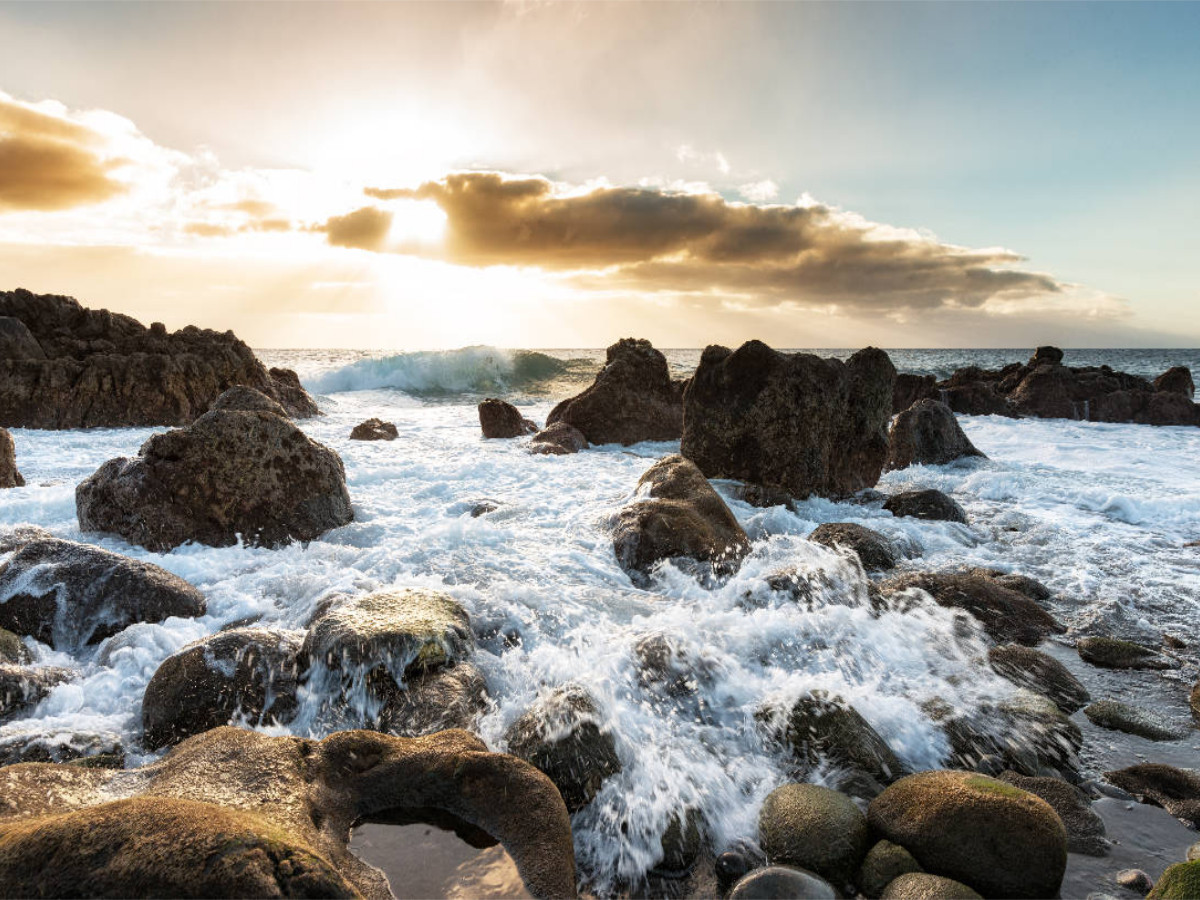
x=364, y=229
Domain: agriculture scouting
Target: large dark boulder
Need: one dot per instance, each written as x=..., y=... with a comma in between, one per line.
x=559, y=439
x=499, y=419
x=1176, y=380
x=231, y=474
x=814, y=828
x=927, y=433
x=792, y=421
x=632, y=399
x=875, y=552
x=247, y=399
x=1036, y=671
x=1113, y=653
x=67, y=594
x=65, y=366
x=374, y=430
x=928, y=504
x=1085, y=828
x=1147, y=723
x=679, y=517
x=10, y=477
x=1175, y=790
x=910, y=388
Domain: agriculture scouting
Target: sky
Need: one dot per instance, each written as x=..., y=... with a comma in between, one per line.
x=532, y=174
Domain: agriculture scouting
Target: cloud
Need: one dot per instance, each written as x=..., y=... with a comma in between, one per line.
x=759, y=191
x=364, y=229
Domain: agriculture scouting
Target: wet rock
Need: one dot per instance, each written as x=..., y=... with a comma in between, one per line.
x=231, y=474
x=564, y=736
x=681, y=844
x=993, y=837
x=797, y=422
x=678, y=516
x=306, y=793
x=1045, y=356
x=764, y=496
x=10, y=477
x=1135, y=880
x=814, y=828
x=483, y=507
x=1176, y=380
x=374, y=430
x=929, y=504
x=247, y=674
x=1007, y=617
x=921, y=886
x=558, y=439
x=1194, y=702
x=247, y=399
x=632, y=399
x=14, y=538
x=1025, y=732
x=1117, y=716
x=67, y=594
x=1022, y=584
x=1175, y=790
x=910, y=388
x=875, y=551
x=13, y=649
x=23, y=687
x=89, y=750
x=65, y=366
x=1085, y=829
x=730, y=867
x=499, y=419
x=884, y=863
x=1112, y=653
x=666, y=663
x=782, y=883
x=1039, y=672
x=928, y=434
x=1180, y=882
x=448, y=697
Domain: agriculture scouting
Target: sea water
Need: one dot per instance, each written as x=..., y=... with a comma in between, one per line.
x=1100, y=513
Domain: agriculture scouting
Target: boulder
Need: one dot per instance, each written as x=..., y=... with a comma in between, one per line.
x=1117, y=716
x=503, y=420
x=922, y=886
x=1194, y=702
x=1180, y=882
x=1006, y=616
x=1045, y=356
x=452, y=696
x=13, y=649
x=558, y=439
x=1176, y=380
x=1025, y=732
x=564, y=736
x=1085, y=829
x=995, y=838
x=79, y=748
x=1111, y=653
x=928, y=434
x=874, y=551
x=665, y=663
x=793, y=421
x=231, y=474
x=10, y=477
x=928, y=504
x=1022, y=584
x=883, y=864
x=67, y=595
x=1175, y=790
x=24, y=687
x=374, y=430
x=1039, y=672
x=815, y=828
x=247, y=399
x=682, y=843
x=909, y=388
x=678, y=516
x=632, y=399
x=65, y=366
x=245, y=674
x=238, y=813
x=782, y=883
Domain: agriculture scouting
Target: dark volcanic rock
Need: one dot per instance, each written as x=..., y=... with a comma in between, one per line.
x=452, y=696
x=681, y=518
x=65, y=366
x=1045, y=356
x=1175, y=790
x=875, y=551
x=247, y=399
x=814, y=828
x=374, y=430
x=230, y=474
x=927, y=504
x=67, y=594
x=1111, y=653
x=792, y=421
x=1036, y=671
x=503, y=420
x=910, y=388
x=927, y=433
x=632, y=399
x=1176, y=380
x=1085, y=829
x=558, y=439
x=10, y=477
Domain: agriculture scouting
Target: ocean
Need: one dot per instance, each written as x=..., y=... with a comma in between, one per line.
x=1101, y=513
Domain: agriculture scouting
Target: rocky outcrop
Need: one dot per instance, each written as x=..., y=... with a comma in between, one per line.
x=928, y=434
x=65, y=366
x=1036, y=671
x=10, y=477
x=1175, y=790
x=1025, y=732
x=814, y=828
x=874, y=551
x=237, y=813
x=232, y=474
x=67, y=595
x=558, y=439
x=1176, y=380
x=910, y=388
x=247, y=399
x=928, y=504
x=503, y=420
x=374, y=430
x=13, y=649
x=792, y=421
x=678, y=517
x=632, y=399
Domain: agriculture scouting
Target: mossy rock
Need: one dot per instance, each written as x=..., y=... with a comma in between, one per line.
x=1111, y=653
x=814, y=828
x=922, y=886
x=1117, y=716
x=1085, y=829
x=1180, y=882
x=884, y=863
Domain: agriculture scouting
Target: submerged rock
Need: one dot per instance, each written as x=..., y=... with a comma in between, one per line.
x=232, y=474
x=927, y=504
x=922, y=886
x=498, y=419
x=10, y=477
x=1118, y=716
x=782, y=883
x=78, y=748
x=793, y=421
x=928, y=434
x=874, y=551
x=451, y=696
x=1175, y=790
x=814, y=828
x=67, y=595
x=374, y=430
x=883, y=864
x=23, y=687
x=1085, y=829
x=1111, y=653
x=558, y=439
x=1039, y=672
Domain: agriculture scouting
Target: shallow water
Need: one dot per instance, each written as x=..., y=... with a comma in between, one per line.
x=1099, y=512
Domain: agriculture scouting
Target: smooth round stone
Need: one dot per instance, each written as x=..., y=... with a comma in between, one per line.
x=782, y=883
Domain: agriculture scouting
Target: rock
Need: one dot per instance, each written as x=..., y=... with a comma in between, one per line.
x=884, y=863
x=1111, y=653
x=921, y=886
x=558, y=439
x=782, y=883
x=875, y=551
x=237, y=813
x=67, y=595
x=503, y=420
x=632, y=399
x=928, y=434
x=10, y=477
x=564, y=736
x=993, y=837
x=730, y=867
x=910, y=388
x=1175, y=790
x=666, y=663
x=64, y=366
x=927, y=504
x=249, y=673
x=1045, y=356
x=374, y=430
x=231, y=474
x=22, y=688
x=13, y=649
x=1007, y=617
x=247, y=399
x=91, y=750
x=1118, y=716
x=448, y=697
x=764, y=496
x=796, y=422
x=1085, y=829
x=1193, y=852
x=678, y=516
x=681, y=843
x=814, y=828
x=1025, y=732
x=1135, y=880
x=1180, y=882
x=483, y=507
x=1039, y=672
x=1176, y=380
x=1022, y=584
x=1194, y=702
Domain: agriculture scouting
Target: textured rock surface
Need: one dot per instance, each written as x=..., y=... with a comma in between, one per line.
x=792, y=421
x=928, y=504
x=883, y=864
x=1036, y=671
x=23, y=687
x=927, y=433
x=65, y=366
x=875, y=552
x=374, y=430
x=10, y=476
x=1117, y=716
x=922, y=886
x=1111, y=653
x=1180, y=882
x=1085, y=828
x=782, y=883
x=499, y=419
x=1175, y=790
x=558, y=439
x=814, y=828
